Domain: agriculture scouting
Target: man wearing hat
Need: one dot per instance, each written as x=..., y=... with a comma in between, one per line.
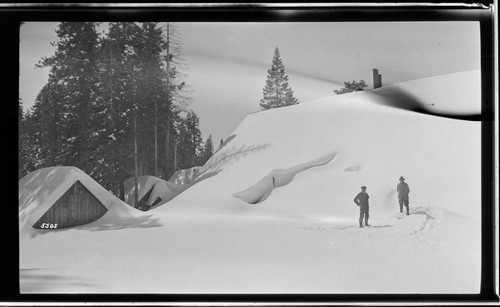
x=403, y=191
x=361, y=200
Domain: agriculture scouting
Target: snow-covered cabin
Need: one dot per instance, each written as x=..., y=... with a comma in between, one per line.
x=151, y=191
x=61, y=197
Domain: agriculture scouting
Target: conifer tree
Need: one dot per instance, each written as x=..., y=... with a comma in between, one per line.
x=351, y=87
x=98, y=87
x=21, y=141
x=116, y=90
x=32, y=153
x=277, y=92
x=208, y=150
x=48, y=111
x=74, y=68
x=190, y=140
x=177, y=97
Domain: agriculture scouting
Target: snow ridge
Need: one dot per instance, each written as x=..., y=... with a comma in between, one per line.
x=278, y=178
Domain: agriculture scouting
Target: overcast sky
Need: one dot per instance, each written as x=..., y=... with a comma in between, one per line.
x=228, y=62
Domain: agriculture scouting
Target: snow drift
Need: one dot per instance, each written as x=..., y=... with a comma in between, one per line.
x=375, y=145
x=277, y=178
x=303, y=237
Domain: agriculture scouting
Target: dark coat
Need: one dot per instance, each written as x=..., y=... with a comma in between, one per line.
x=403, y=190
x=362, y=199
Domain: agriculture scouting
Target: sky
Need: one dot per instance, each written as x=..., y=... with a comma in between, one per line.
x=227, y=63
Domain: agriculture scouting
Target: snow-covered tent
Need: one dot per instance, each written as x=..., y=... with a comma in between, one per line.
x=151, y=191
x=61, y=197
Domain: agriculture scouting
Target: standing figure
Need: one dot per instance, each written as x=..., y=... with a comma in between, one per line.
x=403, y=191
x=361, y=200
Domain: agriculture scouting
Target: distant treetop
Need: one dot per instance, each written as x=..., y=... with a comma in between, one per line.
x=277, y=92
x=351, y=87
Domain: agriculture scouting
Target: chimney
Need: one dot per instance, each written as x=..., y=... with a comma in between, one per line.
x=377, y=79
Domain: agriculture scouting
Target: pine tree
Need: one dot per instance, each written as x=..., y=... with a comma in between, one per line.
x=277, y=92
x=21, y=142
x=116, y=90
x=190, y=141
x=74, y=68
x=177, y=98
x=351, y=87
x=32, y=154
x=52, y=124
x=98, y=88
x=208, y=150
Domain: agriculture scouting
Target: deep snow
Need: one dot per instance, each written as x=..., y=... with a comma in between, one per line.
x=302, y=236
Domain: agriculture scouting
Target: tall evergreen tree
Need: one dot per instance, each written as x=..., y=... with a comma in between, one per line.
x=51, y=117
x=208, y=150
x=21, y=141
x=190, y=141
x=151, y=92
x=113, y=104
x=177, y=96
x=116, y=92
x=74, y=67
x=32, y=154
x=277, y=92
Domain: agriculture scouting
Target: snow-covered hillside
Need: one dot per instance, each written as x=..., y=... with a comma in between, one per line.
x=272, y=211
x=373, y=145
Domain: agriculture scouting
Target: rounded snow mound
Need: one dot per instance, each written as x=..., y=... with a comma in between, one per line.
x=376, y=138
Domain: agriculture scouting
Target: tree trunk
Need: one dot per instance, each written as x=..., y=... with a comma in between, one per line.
x=121, y=177
x=167, y=153
x=136, y=194
x=167, y=143
x=175, y=156
x=156, y=139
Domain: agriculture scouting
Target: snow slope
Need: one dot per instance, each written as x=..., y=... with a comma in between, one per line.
x=234, y=231
x=374, y=146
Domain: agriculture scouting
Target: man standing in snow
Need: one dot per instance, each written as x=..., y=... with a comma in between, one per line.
x=361, y=200
x=403, y=191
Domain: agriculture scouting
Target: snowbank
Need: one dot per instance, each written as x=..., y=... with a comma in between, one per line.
x=375, y=145
x=455, y=94
x=277, y=178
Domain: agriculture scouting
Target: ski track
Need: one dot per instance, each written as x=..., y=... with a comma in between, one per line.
x=395, y=229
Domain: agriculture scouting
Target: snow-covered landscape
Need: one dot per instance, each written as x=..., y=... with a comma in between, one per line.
x=272, y=210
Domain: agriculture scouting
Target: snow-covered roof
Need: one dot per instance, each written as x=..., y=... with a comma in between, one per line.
x=185, y=176
x=164, y=190
x=40, y=189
